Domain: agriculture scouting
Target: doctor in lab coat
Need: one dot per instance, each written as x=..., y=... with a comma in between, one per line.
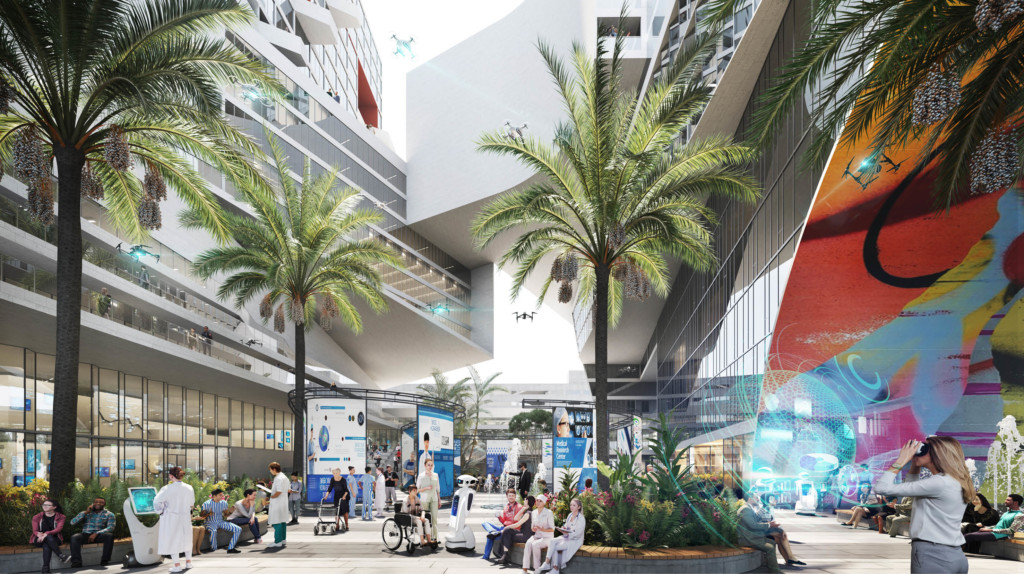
x=278, y=514
x=174, y=502
x=379, y=490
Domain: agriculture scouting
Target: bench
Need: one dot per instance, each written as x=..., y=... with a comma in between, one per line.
x=28, y=558
x=843, y=515
x=691, y=560
x=516, y=554
x=1008, y=548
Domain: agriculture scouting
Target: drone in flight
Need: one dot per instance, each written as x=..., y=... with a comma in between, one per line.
x=524, y=316
x=403, y=48
x=137, y=251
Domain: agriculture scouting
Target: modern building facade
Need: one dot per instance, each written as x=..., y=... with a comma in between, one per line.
x=154, y=391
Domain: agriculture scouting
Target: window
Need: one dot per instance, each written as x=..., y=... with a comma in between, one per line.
x=12, y=393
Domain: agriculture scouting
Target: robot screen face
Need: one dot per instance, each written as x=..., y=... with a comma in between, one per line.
x=467, y=481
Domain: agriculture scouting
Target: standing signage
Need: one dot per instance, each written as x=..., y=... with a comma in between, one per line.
x=408, y=471
x=547, y=449
x=435, y=434
x=638, y=442
x=574, y=444
x=335, y=438
x=457, y=463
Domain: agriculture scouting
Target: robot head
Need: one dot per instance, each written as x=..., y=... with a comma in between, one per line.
x=466, y=481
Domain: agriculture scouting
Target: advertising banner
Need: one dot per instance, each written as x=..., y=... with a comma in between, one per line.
x=574, y=444
x=497, y=454
x=408, y=456
x=435, y=434
x=547, y=456
x=335, y=438
x=458, y=460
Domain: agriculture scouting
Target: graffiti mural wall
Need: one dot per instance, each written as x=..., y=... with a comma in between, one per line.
x=899, y=320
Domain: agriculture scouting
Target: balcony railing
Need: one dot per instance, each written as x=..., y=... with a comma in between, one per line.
x=26, y=276
x=115, y=263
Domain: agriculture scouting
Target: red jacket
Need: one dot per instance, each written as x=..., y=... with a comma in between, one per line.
x=58, y=526
x=508, y=516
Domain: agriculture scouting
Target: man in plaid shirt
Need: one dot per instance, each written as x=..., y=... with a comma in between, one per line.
x=214, y=511
x=99, y=527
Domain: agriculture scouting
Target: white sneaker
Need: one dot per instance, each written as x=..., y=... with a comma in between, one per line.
x=272, y=545
x=176, y=569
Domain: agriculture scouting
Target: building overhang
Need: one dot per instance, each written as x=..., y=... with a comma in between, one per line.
x=317, y=22
x=346, y=13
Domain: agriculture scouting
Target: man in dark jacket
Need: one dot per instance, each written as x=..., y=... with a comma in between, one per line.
x=525, y=480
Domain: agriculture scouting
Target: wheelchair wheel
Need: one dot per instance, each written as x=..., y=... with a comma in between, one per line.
x=410, y=548
x=392, y=534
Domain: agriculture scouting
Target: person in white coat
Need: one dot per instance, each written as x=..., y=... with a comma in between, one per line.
x=379, y=492
x=174, y=502
x=543, y=525
x=278, y=511
x=563, y=549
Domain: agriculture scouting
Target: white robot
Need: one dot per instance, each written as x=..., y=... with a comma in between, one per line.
x=460, y=536
x=807, y=496
x=144, y=538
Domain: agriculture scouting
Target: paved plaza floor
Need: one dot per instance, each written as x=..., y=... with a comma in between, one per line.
x=820, y=541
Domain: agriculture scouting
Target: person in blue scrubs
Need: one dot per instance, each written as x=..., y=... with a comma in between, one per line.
x=366, y=485
x=353, y=490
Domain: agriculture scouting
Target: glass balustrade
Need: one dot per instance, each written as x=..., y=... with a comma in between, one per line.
x=26, y=276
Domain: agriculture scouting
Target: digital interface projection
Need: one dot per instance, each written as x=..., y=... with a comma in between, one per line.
x=900, y=320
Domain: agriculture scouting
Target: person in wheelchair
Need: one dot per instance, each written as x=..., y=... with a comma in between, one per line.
x=411, y=506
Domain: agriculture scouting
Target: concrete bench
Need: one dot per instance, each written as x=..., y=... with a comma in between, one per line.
x=692, y=560
x=516, y=554
x=28, y=558
x=1008, y=548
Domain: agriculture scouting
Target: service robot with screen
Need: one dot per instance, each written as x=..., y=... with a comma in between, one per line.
x=460, y=536
x=144, y=538
x=807, y=496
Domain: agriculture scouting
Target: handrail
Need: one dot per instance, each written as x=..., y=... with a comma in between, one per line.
x=381, y=396
x=26, y=276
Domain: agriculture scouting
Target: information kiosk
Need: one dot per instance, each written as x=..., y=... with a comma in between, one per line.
x=144, y=538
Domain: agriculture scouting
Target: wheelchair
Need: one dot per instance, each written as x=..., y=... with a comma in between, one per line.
x=400, y=529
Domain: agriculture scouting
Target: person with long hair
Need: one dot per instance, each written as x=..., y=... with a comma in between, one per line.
x=564, y=548
x=867, y=506
x=978, y=514
x=174, y=502
x=46, y=532
x=518, y=532
x=430, y=491
x=938, y=502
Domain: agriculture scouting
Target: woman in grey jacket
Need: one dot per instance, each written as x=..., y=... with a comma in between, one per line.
x=938, y=502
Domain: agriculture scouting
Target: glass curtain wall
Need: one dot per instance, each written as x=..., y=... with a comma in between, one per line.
x=129, y=426
x=712, y=339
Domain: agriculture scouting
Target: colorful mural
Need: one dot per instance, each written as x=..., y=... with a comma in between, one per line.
x=899, y=320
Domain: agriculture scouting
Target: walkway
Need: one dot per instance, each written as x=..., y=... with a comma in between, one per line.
x=819, y=541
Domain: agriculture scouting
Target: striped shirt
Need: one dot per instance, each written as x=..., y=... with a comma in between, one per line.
x=216, y=508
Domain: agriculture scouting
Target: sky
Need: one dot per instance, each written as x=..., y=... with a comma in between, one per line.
x=539, y=351
x=435, y=26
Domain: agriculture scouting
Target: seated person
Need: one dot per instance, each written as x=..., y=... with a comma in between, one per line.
x=46, y=532
x=214, y=511
x=978, y=514
x=99, y=527
x=505, y=518
x=752, y=532
x=519, y=531
x=411, y=506
x=1002, y=529
x=588, y=486
x=903, y=508
x=867, y=506
x=564, y=548
x=764, y=507
x=244, y=514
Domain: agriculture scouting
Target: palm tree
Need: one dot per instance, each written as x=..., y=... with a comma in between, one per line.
x=892, y=71
x=481, y=389
x=302, y=255
x=618, y=193
x=443, y=391
x=100, y=86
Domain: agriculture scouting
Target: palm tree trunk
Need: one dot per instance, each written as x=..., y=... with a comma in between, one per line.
x=298, y=435
x=69, y=318
x=601, y=425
